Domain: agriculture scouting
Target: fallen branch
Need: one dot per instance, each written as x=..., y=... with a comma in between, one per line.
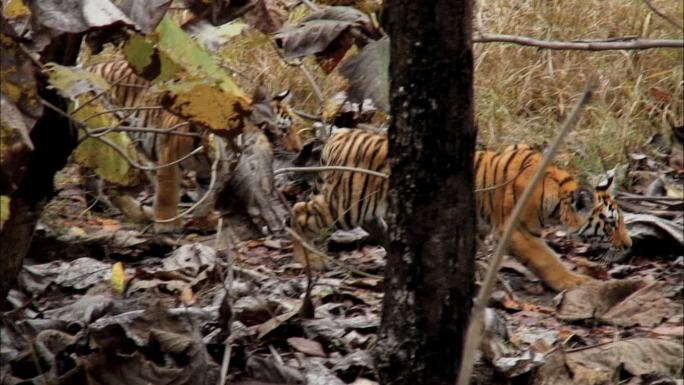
x=628, y=43
x=329, y=168
x=476, y=325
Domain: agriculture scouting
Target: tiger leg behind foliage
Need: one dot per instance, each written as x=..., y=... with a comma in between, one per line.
x=534, y=253
x=168, y=181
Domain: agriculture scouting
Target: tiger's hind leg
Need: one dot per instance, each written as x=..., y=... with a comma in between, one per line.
x=167, y=191
x=533, y=252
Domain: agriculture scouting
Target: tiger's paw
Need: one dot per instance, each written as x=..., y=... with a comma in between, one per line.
x=571, y=281
x=304, y=257
x=166, y=228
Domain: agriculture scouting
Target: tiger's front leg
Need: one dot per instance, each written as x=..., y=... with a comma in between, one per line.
x=167, y=189
x=533, y=252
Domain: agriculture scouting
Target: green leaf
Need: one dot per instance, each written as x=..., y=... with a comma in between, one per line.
x=169, y=58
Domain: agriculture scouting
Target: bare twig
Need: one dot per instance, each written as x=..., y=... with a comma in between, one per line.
x=165, y=131
x=225, y=362
x=96, y=96
x=585, y=45
x=312, y=82
x=647, y=198
x=329, y=168
x=307, y=116
x=474, y=333
x=310, y=4
x=121, y=109
x=314, y=250
x=116, y=148
x=662, y=14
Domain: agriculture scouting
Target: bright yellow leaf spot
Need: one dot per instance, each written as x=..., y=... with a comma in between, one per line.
x=4, y=209
x=118, y=280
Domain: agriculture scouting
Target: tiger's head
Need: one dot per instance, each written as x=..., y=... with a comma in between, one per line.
x=275, y=119
x=596, y=216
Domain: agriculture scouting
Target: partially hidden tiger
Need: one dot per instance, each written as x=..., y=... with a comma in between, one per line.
x=349, y=199
x=270, y=116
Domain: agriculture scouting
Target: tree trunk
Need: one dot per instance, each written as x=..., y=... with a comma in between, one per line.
x=429, y=278
x=53, y=139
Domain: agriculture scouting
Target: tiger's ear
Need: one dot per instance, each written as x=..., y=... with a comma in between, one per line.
x=605, y=184
x=282, y=96
x=583, y=199
x=260, y=94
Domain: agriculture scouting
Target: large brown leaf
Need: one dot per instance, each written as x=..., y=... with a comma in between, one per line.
x=368, y=74
x=265, y=16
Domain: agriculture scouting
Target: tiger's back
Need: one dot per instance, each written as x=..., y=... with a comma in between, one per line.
x=500, y=178
x=347, y=199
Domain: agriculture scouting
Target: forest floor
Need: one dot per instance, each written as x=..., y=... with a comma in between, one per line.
x=163, y=316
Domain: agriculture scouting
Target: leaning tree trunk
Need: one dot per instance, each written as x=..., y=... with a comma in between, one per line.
x=31, y=184
x=429, y=278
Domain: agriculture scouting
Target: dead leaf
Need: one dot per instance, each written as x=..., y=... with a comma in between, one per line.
x=619, y=302
x=306, y=346
x=265, y=16
x=274, y=322
x=368, y=74
x=599, y=364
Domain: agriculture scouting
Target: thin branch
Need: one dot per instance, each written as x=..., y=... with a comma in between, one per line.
x=330, y=168
x=474, y=333
x=165, y=131
x=582, y=45
x=312, y=82
x=120, y=109
x=96, y=96
x=662, y=14
x=307, y=116
x=646, y=198
x=116, y=148
x=310, y=4
x=309, y=247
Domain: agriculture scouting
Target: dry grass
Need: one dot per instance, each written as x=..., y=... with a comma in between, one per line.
x=523, y=93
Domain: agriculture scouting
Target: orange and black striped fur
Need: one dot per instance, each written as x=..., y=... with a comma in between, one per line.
x=129, y=90
x=350, y=199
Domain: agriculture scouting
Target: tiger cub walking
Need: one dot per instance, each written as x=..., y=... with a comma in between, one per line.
x=269, y=115
x=349, y=199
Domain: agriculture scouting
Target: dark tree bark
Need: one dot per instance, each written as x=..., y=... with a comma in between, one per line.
x=429, y=278
x=53, y=139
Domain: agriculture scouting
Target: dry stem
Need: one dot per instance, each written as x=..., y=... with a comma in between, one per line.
x=474, y=333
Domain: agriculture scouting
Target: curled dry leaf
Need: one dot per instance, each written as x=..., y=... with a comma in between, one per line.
x=619, y=302
x=599, y=364
x=328, y=34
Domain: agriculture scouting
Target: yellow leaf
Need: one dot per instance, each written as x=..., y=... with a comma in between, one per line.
x=118, y=280
x=76, y=231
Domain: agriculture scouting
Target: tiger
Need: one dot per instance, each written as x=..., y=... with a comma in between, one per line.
x=272, y=116
x=350, y=199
